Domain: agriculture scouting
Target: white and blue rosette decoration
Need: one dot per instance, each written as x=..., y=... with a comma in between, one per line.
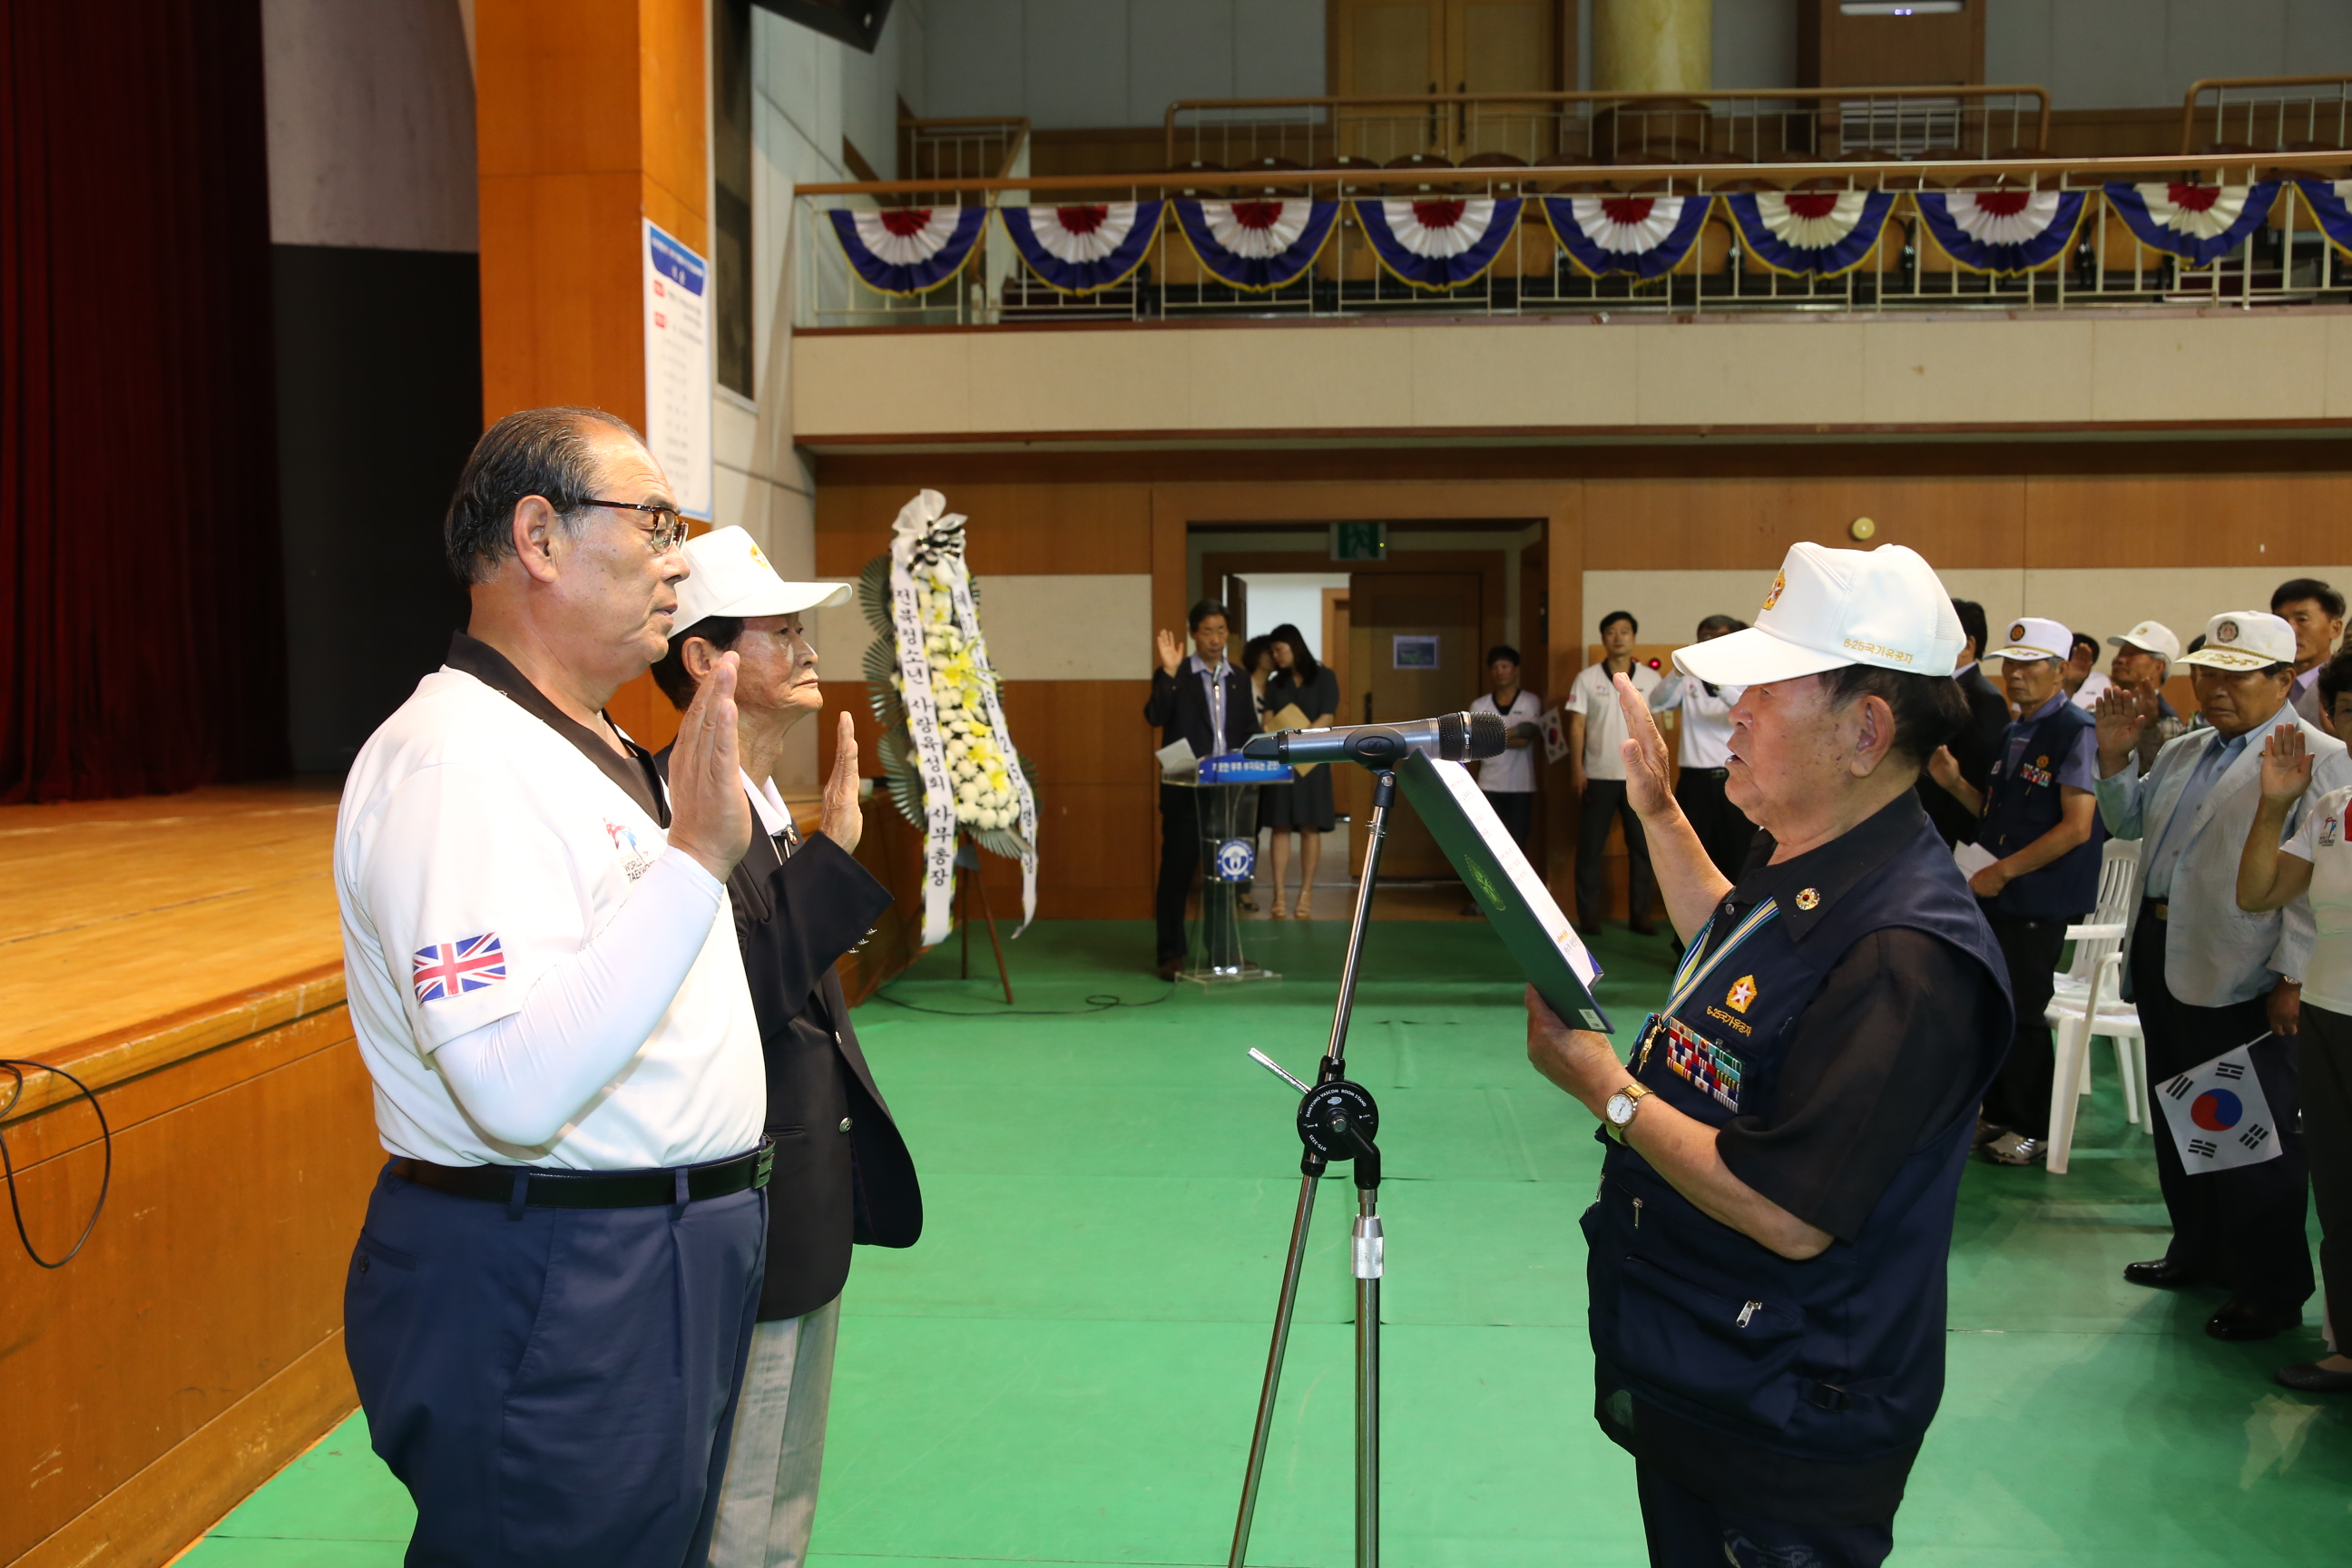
x=2199, y=224
x=1437, y=242
x=2001, y=230
x=908, y=250
x=1257, y=245
x=1810, y=233
x=2329, y=203
x=1634, y=236
x=946, y=752
x=1083, y=250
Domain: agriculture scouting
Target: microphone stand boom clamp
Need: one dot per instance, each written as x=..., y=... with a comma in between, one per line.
x=1336, y=1119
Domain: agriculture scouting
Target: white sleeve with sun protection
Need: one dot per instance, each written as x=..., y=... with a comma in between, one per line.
x=524, y=1076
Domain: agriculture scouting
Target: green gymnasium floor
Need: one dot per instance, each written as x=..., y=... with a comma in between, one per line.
x=1066, y=1369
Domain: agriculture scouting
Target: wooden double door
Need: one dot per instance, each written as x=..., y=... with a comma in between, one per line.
x=1424, y=48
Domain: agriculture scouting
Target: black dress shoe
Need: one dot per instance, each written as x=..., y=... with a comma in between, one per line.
x=2239, y=1319
x=1643, y=928
x=2161, y=1274
x=2310, y=1377
x=1169, y=966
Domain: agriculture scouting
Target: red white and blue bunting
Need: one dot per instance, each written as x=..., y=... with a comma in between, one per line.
x=2329, y=202
x=908, y=250
x=1083, y=250
x=2199, y=224
x=2003, y=231
x=1257, y=245
x=1438, y=242
x=1811, y=234
x=1640, y=236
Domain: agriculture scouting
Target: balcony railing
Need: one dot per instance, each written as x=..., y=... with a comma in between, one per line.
x=1755, y=127
x=2275, y=255
x=2267, y=114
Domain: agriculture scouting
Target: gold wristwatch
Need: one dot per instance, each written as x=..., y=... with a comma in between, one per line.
x=1618, y=1114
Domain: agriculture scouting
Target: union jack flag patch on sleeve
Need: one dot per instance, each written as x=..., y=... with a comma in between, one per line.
x=450, y=968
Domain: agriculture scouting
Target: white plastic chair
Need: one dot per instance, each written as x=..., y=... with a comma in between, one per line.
x=2088, y=1002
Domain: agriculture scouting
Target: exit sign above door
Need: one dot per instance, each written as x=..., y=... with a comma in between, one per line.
x=1360, y=541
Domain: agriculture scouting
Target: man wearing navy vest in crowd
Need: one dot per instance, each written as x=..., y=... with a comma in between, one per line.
x=2208, y=976
x=2039, y=841
x=1768, y=1248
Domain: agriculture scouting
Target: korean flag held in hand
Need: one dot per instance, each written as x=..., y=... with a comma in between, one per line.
x=2219, y=1118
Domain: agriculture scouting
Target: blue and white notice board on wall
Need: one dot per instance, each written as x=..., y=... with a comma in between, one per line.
x=677, y=368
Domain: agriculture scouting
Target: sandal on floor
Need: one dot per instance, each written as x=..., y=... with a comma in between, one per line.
x=1281, y=911
x=1305, y=905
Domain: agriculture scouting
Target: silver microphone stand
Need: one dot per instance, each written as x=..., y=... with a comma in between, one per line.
x=1336, y=1121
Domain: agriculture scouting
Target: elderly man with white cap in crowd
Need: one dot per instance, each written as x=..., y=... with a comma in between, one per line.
x=842, y=1173
x=1768, y=1251
x=2144, y=659
x=2210, y=978
x=2037, y=835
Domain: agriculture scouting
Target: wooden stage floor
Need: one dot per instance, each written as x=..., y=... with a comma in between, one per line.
x=116, y=913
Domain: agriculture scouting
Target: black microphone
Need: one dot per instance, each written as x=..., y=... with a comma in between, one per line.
x=1455, y=737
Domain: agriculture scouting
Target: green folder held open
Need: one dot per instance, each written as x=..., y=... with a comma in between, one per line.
x=1513, y=899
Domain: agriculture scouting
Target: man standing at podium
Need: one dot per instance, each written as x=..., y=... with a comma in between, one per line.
x=1204, y=701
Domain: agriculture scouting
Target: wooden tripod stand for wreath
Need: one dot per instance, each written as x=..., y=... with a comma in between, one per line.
x=969, y=882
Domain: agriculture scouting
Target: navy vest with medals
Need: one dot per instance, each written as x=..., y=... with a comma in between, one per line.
x=1839, y=1357
x=2022, y=805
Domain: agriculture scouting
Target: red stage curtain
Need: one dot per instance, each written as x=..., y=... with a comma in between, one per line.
x=138, y=463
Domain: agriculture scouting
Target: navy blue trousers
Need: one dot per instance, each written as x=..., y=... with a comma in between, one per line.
x=553, y=1385
x=1685, y=1531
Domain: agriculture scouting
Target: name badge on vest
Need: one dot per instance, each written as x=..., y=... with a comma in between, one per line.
x=1693, y=1058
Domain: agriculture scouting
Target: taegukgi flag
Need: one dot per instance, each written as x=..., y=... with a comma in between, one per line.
x=2218, y=1113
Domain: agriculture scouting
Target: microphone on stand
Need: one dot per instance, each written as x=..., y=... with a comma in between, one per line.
x=1454, y=737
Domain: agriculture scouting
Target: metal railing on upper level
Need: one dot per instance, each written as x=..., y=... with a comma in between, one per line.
x=1823, y=124
x=2004, y=234
x=2267, y=114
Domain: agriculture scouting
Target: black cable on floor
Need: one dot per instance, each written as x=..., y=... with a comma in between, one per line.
x=1095, y=1003
x=15, y=1067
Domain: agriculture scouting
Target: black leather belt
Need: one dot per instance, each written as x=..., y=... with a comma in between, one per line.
x=2158, y=908
x=533, y=1187
x=1713, y=773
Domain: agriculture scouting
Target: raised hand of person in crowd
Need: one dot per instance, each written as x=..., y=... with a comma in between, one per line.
x=1649, y=773
x=1170, y=650
x=843, y=819
x=2286, y=764
x=2122, y=715
x=1944, y=767
x=710, y=816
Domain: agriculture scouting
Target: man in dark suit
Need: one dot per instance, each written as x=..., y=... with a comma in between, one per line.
x=1977, y=745
x=1205, y=701
x=842, y=1173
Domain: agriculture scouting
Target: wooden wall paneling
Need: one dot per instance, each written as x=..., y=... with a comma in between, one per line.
x=1564, y=548
x=2196, y=519
x=1956, y=521
x=1016, y=528
x=216, y=1268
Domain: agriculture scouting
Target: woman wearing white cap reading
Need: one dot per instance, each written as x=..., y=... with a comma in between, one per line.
x=1768, y=1248
x=2209, y=977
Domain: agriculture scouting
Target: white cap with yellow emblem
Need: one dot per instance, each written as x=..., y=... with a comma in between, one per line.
x=2244, y=639
x=2032, y=638
x=730, y=576
x=1829, y=608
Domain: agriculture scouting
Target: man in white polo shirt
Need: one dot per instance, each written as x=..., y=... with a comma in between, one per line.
x=550, y=1300
x=1596, y=731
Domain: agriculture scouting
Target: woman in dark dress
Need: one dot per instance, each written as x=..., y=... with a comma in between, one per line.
x=1304, y=805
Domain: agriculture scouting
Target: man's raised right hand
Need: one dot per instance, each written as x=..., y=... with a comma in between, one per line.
x=1170, y=651
x=710, y=816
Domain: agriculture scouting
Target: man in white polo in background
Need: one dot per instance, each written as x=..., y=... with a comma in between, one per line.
x=2209, y=977
x=1596, y=730
x=1704, y=754
x=549, y=1304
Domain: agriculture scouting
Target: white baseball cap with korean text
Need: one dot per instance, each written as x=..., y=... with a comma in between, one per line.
x=732, y=576
x=1829, y=608
x=2244, y=639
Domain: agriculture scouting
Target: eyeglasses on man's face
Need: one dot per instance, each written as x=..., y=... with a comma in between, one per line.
x=668, y=527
